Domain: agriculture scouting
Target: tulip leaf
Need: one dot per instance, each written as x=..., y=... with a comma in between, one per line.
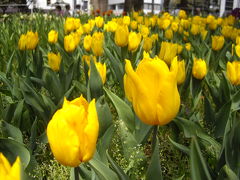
x=103, y=172
x=95, y=82
x=142, y=131
x=236, y=101
x=18, y=114
x=104, y=115
x=154, y=171
x=209, y=114
x=121, y=174
x=181, y=147
x=227, y=173
x=198, y=166
x=11, y=149
x=10, y=131
x=124, y=111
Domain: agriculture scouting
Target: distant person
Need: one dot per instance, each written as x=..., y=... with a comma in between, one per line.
x=67, y=12
x=58, y=11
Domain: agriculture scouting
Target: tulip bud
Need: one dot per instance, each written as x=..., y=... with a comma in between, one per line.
x=181, y=75
x=69, y=43
x=8, y=172
x=99, y=21
x=22, y=42
x=102, y=70
x=168, y=34
x=52, y=36
x=168, y=51
x=152, y=89
x=217, y=42
x=54, y=61
x=199, y=69
x=97, y=43
x=121, y=36
x=134, y=40
x=73, y=131
x=147, y=44
x=87, y=42
x=233, y=72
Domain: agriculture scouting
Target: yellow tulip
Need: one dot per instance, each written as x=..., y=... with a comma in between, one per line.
x=22, y=42
x=126, y=20
x=168, y=34
x=233, y=72
x=69, y=43
x=195, y=29
x=199, y=69
x=166, y=23
x=147, y=44
x=77, y=23
x=174, y=26
x=28, y=41
x=188, y=46
x=237, y=50
x=204, y=34
x=87, y=59
x=87, y=42
x=8, y=172
x=69, y=25
x=238, y=40
x=52, y=36
x=134, y=25
x=168, y=52
x=111, y=26
x=97, y=43
x=86, y=28
x=217, y=42
x=152, y=89
x=181, y=75
x=144, y=31
x=73, y=131
x=182, y=14
x=102, y=70
x=121, y=36
x=99, y=21
x=54, y=61
x=134, y=40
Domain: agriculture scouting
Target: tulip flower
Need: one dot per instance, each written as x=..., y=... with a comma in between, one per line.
x=87, y=42
x=121, y=36
x=168, y=34
x=8, y=172
x=152, y=89
x=97, y=43
x=69, y=43
x=134, y=40
x=126, y=20
x=134, y=25
x=54, y=61
x=181, y=75
x=52, y=36
x=199, y=69
x=102, y=70
x=28, y=41
x=237, y=50
x=22, y=42
x=147, y=44
x=69, y=25
x=168, y=52
x=99, y=21
x=233, y=72
x=188, y=46
x=182, y=14
x=73, y=131
x=217, y=42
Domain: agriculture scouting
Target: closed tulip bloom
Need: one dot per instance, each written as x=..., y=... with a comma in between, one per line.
x=69, y=43
x=144, y=31
x=87, y=42
x=168, y=52
x=102, y=70
x=54, y=61
x=152, y=89
x=147, y=44
x=32, y=40
x=99, y=21
x=166, y=23
x=168, y=34
x=174, y=26
x=182, y=14
x=238, y=40
x=233, y=72
x=121, y=36
x=134, y=25
x=126, y=20
x=69, y=25
x=97, y=43
x=8, y=172
x=134, y=40
x=199, y=69
x=181, y=75
x=188, y=46
x=237, y=50
x=217, y=42
x=22, y=42
x=52, y=36
x=195, y=29
x=73, y=131
x=204, y=34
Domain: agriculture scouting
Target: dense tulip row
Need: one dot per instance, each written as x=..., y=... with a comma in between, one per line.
x=181, y=72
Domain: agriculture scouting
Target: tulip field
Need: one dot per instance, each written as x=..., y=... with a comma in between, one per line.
x=106, y=97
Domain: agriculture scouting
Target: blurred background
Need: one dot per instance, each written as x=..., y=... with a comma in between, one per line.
x=215, y=7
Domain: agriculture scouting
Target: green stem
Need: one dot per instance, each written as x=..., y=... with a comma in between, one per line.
x=76, y=173
x=154, y=137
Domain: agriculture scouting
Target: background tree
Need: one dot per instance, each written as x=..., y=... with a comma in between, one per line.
x=130, y=5
x=102, y=5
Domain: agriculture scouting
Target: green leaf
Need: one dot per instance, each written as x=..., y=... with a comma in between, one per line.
x=121, y=174
x=102, y=171
x=199, y=170
x=227, y=173
x=209, y=114
x=95, y=82
x=10, y=131
x=181, y=147
x=11, y=149
x=154, y=171
x=9, y=64
x=125, y=113
x=18, y=114
x=142, y=131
